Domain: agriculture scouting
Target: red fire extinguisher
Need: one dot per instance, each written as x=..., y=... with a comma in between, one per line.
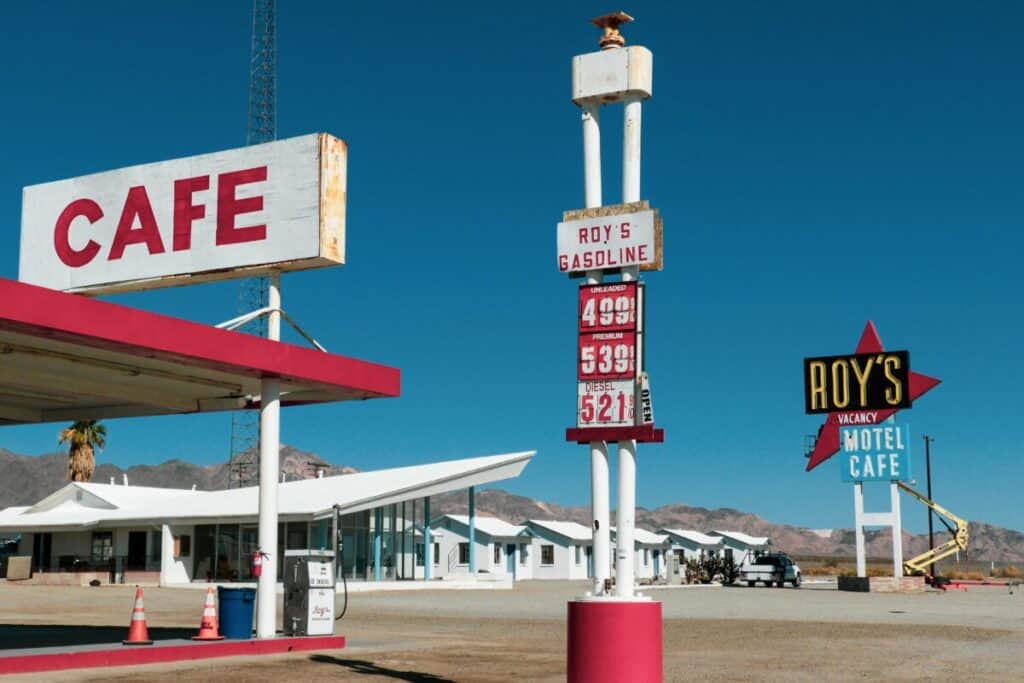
x=257, y=564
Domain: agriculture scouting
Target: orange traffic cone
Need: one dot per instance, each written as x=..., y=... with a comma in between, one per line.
x=208, y=624
x=138, y=634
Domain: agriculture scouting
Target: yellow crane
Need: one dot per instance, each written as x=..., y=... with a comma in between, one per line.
x=919, y=565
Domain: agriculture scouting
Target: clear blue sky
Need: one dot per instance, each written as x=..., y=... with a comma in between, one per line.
x=816, y=166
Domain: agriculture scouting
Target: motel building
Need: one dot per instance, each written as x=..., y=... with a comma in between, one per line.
x=687, y=544
x=499, y=550
x=148, y=535
x=650, y=550
x=740, y=546
x=560, y=550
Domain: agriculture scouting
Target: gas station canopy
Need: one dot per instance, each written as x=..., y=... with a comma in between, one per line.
x=67, y=357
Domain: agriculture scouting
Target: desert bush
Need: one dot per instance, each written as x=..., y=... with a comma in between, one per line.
x=1010, y=572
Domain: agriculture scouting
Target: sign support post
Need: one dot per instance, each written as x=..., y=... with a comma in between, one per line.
x=612, y=637
x=270, y=454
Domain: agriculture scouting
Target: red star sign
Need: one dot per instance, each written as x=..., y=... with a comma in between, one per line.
x=827, y=444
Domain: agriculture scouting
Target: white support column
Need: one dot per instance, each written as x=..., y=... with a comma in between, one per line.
x=897, y=531
x=631, y=151
x=625, y=567
x=166, y=553
x=270, y=447
x=858, y=528
x=600, y=497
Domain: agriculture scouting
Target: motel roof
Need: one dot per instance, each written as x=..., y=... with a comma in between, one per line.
x=492, y=526
x=694, y=537
x=88, y=505
x=643, y=537
x=750, y=541
x=67, y=357
x=570, y=530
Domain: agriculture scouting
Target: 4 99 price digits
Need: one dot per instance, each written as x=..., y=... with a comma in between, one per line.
x=608, y=308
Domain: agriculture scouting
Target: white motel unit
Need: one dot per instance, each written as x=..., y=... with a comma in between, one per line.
x=740, y=546
x=141, y=534
x=560, y=550
x=500, y=550
x=649, y=554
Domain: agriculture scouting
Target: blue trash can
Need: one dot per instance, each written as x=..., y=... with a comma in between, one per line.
x=235, y=607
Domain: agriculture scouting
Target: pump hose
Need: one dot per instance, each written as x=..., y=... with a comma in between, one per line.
x=344, y=605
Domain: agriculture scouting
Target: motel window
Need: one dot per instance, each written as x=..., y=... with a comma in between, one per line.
x=579, y=554
x=463, y=553
x=523, y=555
x=497, y=553
x=102, y=545
x=547, y=554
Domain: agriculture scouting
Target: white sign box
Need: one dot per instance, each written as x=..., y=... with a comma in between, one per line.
x=607, y=242
x=277, y=206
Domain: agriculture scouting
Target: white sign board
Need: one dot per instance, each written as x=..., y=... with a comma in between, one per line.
x=607, y=242
x=606, y=403
x=277, y=206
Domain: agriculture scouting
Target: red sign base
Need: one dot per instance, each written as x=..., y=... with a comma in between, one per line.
x=612, y=641
x=640, y=433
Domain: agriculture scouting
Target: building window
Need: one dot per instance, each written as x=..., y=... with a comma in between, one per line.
x=579, y=554
x=497, y=553
x=463, y=553
x=524, y=556
x=102, y=545
x=547, y=555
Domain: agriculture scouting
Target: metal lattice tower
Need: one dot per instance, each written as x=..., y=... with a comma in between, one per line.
x=261, y=127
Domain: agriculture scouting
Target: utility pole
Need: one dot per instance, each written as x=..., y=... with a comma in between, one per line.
x=261, y=127
x=928, y=473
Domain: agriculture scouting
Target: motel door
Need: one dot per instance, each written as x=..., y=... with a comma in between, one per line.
x=510, y=559
x=136, y=550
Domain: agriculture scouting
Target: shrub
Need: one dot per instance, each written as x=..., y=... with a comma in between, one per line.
x=1010, y=572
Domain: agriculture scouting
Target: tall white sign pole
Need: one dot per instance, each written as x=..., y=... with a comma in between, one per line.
x=626, y=510
x=270, y=449
x=599, y=477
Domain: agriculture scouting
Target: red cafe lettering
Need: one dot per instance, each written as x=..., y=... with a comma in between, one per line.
x=138, y=225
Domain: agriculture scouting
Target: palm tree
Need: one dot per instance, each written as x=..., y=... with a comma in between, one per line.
x=82, y=436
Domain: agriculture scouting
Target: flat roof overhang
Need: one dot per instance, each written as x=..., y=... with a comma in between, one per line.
x=68, y=357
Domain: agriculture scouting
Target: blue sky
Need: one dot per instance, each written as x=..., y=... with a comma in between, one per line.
x=816, y=166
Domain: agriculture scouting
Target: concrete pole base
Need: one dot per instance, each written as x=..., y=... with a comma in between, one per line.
x=611, y=641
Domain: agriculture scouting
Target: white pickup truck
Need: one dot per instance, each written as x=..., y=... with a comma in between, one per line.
x=773, y=568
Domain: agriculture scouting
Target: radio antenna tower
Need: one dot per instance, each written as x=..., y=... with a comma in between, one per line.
x=261, y=127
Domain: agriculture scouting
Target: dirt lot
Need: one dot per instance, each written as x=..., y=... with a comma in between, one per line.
x=714, y=634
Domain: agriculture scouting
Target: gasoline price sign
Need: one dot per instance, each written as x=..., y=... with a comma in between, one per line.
x=609, y=403
x=607, y=355
x=609, y=308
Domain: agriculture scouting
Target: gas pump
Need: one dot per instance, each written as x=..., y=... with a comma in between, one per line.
x=309, y=582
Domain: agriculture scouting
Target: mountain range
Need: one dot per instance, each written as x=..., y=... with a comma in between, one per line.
x=27, y=479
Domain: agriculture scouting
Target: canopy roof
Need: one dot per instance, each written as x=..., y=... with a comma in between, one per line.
x=88, y=505
x=66, y=357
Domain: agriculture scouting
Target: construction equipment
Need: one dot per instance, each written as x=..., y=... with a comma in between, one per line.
x=919, y=565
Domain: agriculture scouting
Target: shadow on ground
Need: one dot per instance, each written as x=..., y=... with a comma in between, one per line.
x=18, y=636
x=361, y=666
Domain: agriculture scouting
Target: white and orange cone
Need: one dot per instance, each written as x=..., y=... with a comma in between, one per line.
x=138, y=634
x=208, y=624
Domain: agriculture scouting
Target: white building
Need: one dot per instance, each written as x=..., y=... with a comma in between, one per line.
x=740, y=546
x=143, y=534
x=499, y=549
x=559, y=550
x=648, y=556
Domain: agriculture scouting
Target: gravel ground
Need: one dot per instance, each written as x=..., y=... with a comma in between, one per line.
x=714, y=634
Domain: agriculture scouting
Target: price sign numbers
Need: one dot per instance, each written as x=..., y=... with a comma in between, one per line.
x=606, y=403
x=609, y=308
x=607, y=355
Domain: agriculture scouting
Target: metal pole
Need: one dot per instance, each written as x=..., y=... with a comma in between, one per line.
x=897, y=531
x=858, y=528
x=599, y=476
x=472, y=531
x=626, y=509
x=928, y=471
x=270, y=448
x=624, y=567
x=378, y=535
x=428, y=555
